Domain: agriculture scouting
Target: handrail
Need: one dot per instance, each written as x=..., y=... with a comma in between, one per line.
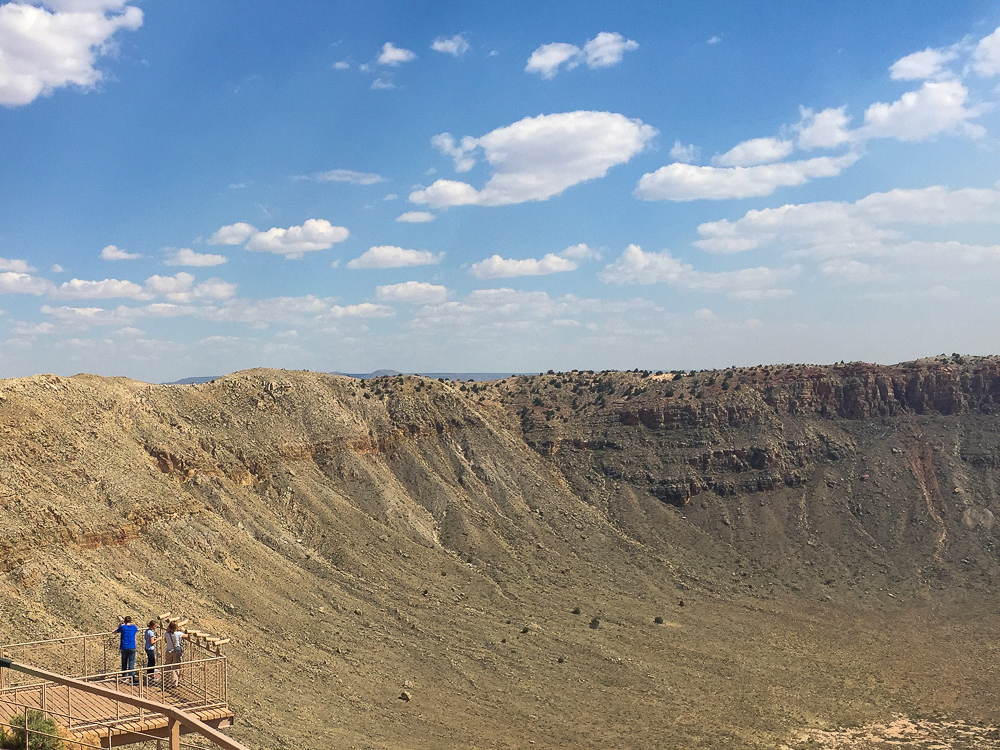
x=176, y=716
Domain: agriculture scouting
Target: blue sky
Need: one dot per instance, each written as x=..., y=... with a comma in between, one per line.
x=199, y=187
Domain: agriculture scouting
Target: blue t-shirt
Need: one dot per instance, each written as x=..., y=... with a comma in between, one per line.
x=149, y=634
x=129, y=632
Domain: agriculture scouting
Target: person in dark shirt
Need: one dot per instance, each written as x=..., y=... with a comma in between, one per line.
x=128, y=632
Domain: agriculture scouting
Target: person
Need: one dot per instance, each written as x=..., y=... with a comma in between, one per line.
x=174, y=638
x=151, y=639
x=126, y=644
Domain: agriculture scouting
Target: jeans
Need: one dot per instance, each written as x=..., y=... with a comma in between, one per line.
x=128, y=662
x=150, y=662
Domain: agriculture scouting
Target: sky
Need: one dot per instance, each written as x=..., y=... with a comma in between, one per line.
x=190, y=188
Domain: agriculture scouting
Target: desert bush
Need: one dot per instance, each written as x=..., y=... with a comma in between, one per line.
x=658, y=620
x=577, y=610
x=595, y=623
x=31, y=722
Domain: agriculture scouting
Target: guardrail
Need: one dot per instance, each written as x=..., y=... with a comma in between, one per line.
x=175, y=717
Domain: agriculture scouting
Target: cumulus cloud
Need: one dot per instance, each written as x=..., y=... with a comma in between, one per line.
x=393, y=55
x=181, y=288
x=936, y=107
x=547, y=59
x=347, y=175
x=42, y=50
x=635, y=266
x=539, y=157
x=14, y=282
x=233, y=234
x=828, y=128
x=986, y=56
x=413, y=292
x=293, y=242
x=604, y=50
x=869, y=226
x=185, y=256
x=755, y=151
x=580, y=252
x=415, y=217
x=687, y=182
x=685, y=153
x=496, y=267
x=13, y=264
x=111, y=252
x=390, y=256
x=927, y=63
x=460, y=151
x=456, y=45
x=103, y=289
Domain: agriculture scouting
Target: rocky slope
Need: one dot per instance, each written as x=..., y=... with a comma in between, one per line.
x=818, y=544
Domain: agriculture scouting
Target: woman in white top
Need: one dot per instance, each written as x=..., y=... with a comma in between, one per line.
x=174, y=640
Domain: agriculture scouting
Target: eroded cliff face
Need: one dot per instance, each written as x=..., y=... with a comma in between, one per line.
x=356, y=537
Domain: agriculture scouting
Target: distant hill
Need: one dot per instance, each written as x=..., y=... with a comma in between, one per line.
x=475, y=376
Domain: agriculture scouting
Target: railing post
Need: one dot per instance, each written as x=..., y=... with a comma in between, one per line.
x=175, y=734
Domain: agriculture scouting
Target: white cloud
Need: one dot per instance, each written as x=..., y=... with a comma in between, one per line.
x=341, y=65
x=413, y=292
x=43, y=50
x=538, y=157
x=986, y=56
x=56, y=268
x=390, y=197
x=686, y=182
x=686, y=154
x=13, y=282
x=348, y=175
x=175, y=288
x=635, y=266
x=869, y=226
x=714, y=39
x=111, y=252
x=825, y=129
x=233, y=234
x=580, y=252
x=415, y=217
x=214, y=289
x=103, y=289
x=605, y=49
x=390, y=256
x=185, y=256
x=851, y=270
x=456, y=45
x=393, y=55
x=936, y=107
x=13, y=264
x=496, y=267
x=546, y=59
x=383, y=84
x=928, y=63
x=755, y=151
x=314, y=234
x=460, y=152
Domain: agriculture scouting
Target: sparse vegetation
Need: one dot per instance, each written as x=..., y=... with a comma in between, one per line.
x=42, y=732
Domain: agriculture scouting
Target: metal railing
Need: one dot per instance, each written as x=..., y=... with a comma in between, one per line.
x=169, y=719
x=201, y=685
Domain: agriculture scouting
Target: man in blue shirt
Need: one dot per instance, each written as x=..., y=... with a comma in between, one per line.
x=128, y=633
